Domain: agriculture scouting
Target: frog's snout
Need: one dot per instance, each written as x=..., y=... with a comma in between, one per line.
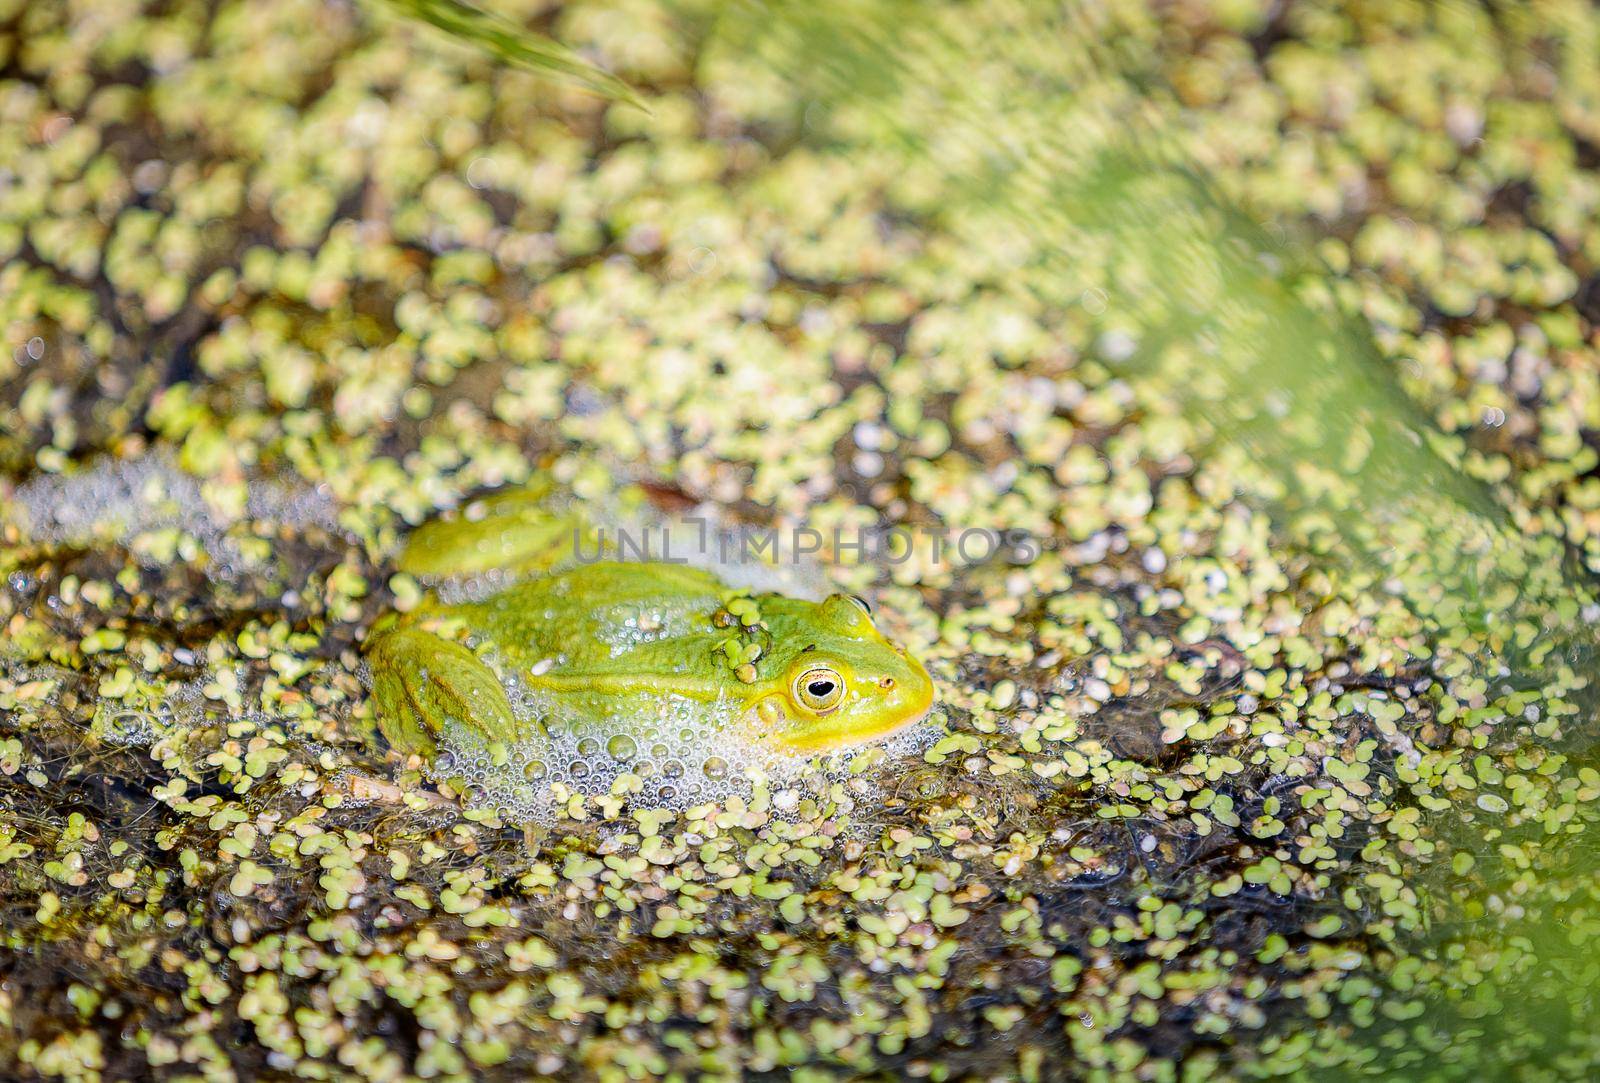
x=910, y=696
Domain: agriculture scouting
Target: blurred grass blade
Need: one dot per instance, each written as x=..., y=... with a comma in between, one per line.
x=513, y=44
x=1084, y=166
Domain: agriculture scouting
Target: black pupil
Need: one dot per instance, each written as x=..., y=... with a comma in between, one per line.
x=819, y=688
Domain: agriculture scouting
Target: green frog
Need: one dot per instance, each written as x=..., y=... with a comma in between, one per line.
x=621, y=649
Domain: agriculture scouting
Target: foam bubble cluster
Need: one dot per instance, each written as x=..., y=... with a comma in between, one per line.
x=684, y=757
x=727, y=551
x=120, y=499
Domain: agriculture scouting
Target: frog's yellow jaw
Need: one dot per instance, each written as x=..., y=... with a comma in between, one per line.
x=853, y=687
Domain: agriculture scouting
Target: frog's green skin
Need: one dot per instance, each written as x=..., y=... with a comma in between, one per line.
x=609, y=644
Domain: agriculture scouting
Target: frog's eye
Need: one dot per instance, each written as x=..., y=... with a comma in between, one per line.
x=819, y=689
x=862, y=602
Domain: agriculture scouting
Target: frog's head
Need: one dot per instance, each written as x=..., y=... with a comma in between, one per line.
x=838, y=681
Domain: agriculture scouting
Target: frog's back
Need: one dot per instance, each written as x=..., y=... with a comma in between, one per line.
x=604, y=618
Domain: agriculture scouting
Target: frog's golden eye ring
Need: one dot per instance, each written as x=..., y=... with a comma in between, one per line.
x=819, y=689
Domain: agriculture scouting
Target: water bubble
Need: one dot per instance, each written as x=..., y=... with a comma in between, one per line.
x=672, y=769
x=715, y=768
x=622, y=748
x=535, y=770
x=588, y=746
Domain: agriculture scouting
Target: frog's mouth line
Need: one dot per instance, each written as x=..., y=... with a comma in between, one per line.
x=833, y=742
x=823, y=740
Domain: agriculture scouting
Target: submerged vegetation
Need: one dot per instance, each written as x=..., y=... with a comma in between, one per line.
x=1276, y=757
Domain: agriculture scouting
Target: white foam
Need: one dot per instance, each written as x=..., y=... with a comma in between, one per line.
x=730, y=552
x=685, y=755
x=459, y=590
x=120, y=499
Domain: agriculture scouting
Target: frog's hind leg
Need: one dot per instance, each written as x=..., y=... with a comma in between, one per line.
x=528, y=529
x=423, y=683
